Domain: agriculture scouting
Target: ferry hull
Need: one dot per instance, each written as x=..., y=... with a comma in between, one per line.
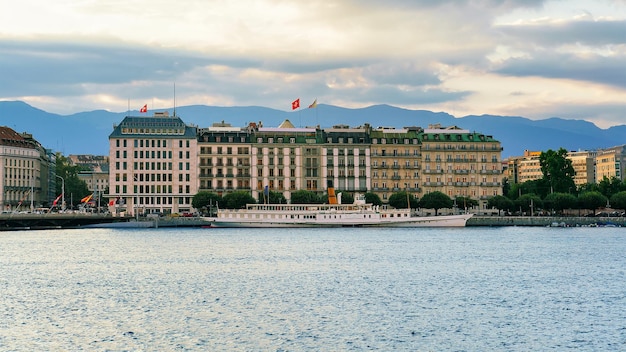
x=424, y=221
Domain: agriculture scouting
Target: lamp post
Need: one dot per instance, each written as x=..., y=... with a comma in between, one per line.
x=62, y=191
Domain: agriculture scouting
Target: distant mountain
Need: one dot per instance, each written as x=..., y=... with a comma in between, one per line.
x=88, y=132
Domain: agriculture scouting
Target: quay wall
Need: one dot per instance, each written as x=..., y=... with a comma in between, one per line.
x=544, y=221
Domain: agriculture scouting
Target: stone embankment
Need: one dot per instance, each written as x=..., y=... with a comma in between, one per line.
x=569, y=221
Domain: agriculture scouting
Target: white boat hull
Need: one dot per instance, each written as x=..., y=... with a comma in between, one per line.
x=420, y=221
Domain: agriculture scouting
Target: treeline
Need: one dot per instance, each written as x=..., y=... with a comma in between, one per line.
x=556, y=190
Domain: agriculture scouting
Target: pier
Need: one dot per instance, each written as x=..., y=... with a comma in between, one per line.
x=565, y=221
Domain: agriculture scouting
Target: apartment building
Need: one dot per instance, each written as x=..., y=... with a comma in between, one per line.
x=224, y=155
x=286, y=159
x=25, y=171
x=529, y=167
x=583, y=163
x=95, y=171
x=153, y=165
x=458, y=162
x=346, y=159
x=395, y=161
x=610, y=163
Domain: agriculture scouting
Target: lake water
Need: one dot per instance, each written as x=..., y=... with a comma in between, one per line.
x=469, y=289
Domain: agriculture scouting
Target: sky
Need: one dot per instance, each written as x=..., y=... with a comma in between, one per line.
x=531, y=58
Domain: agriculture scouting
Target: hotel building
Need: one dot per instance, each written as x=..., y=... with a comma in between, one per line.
x=153, y=165
x=458, y=162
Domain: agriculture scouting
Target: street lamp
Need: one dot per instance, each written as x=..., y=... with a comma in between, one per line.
x=62, y=190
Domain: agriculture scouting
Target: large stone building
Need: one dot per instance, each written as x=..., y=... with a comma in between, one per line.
x=158, y=163
x=363, y=159
x=27, y=172
x=153, y=163
x=458, y=162
x=395, y=161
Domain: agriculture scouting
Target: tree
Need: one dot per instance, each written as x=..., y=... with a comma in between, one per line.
x=506, y=186
x=591, y=200
x=528, y=201
x=540, y=187
x=435, y=200
x=557, y=170
x=618, y=200
x=204, y=199
x=587, y=187
x=610, y=187
x=346, y=198
x=501, y=203
x=276, y=198
x=400, y=200
x=305, y=197
x=558, y=201
x=237, y=200
x=75, y=188
x=465, y=202
x=372, y=198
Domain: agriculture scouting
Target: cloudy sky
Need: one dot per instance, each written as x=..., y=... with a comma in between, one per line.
x=529, y=58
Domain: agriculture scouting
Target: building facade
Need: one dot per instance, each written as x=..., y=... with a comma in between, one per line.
x=157, y=164
x=583, y=163
x=458, y=162
x=395, y=161
x=24, y=171
x=610, y=163
x=153, y=163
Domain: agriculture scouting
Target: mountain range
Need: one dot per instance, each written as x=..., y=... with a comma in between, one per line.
x=88, y=132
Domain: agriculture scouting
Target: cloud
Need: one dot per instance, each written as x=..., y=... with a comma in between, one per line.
x=593, y=33
x=591, y=68
x=475, y=56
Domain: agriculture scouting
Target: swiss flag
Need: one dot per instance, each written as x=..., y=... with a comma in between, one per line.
x=295, y=104
x=144, y=108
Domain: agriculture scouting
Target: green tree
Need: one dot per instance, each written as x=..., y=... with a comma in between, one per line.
x=465, y=202
x=372, y=198
x=609, y=187
x=305, y=197
x=618, y=200
x=592, y=200
x=527, y=202
x=540, y=187
x=400, y=200
x=557, y=170
x=587, y=187
x=435, y=200
x=506, y=186
x=237, y=200
x=346, y=198
x=75, y=188
x=277, y=198
x=559, y=201
x=501, y=203
x=204, y=199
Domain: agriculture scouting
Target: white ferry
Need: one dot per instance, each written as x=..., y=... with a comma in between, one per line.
x=358, y=214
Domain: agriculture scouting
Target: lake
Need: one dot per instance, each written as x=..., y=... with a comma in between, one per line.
x=191, y=289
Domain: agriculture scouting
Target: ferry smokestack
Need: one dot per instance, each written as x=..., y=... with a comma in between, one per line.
x=332, y=198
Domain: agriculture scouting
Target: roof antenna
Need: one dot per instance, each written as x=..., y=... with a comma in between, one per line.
x=174, y=98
